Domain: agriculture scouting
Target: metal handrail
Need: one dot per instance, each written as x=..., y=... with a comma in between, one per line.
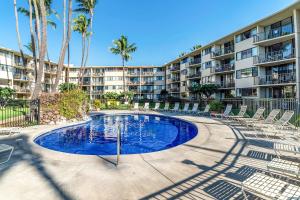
x=118, y=144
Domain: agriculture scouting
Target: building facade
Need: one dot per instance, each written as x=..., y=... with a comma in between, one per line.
x=145, y=81
x=21, y=76
x=260, y=60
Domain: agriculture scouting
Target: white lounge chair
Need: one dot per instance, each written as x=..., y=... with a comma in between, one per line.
x=9, y=130
x=268, y=187
x=156, y=107
x=258, y=115
x=269, y=120
x=6, y=148
x=166, y=108
x=226, y=113
x=194, y=109
x=284, y=167
x=146, y=106
x=186, y=107
x=205, y=111
x=176, y=107
x=136, y=106
x=241, y=113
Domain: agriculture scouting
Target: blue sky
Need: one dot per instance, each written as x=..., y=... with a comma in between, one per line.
x=160, y=28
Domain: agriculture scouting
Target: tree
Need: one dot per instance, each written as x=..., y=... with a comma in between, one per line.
x=67, y=87
x=128, y=95
x=87, y=6
x=195, y=47
x=80, y=25
x=182, y=54
x=204, y=89
x=123, y=48
x=65, y=43
x=164, y=94
x=6, y=94
x=111, y=96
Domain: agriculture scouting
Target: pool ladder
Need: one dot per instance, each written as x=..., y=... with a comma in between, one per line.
x=118, y=144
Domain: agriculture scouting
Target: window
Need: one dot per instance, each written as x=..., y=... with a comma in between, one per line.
x=159, y=78
x=208, y=64
x=184, y=72
x=246, y=92
x=246, y=35
x=248, y=72
x=207, y=51
x=246, y=53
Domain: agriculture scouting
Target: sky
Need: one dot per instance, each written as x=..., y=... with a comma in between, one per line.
x=161, y=29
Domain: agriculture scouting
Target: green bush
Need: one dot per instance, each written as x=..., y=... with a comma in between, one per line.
x=216, y=106
x=73, y=104
x=67, y=87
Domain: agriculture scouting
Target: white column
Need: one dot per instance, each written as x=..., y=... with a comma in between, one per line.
x=296, y=15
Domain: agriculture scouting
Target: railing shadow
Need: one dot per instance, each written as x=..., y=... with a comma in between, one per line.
x=24, y=153
x=222, y=190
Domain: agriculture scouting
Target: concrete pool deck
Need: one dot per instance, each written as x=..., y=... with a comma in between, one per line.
x=210, y=166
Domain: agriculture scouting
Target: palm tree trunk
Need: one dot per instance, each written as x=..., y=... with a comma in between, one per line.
x=64, y=47
x=81, y=71
x=123, y=63
x=18, y=32
x=33, y=43
x=42, y=38
x=89, y=38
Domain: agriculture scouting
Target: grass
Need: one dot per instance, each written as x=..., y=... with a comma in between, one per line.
x=9, y=112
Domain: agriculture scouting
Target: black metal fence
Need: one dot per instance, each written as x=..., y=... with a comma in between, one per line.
x=19, y=113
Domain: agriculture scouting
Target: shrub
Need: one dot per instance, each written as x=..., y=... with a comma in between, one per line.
x=73, y=104
x=67, y=87
x=216, y=106
x=111, y=95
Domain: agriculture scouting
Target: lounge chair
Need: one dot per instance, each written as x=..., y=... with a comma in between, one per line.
x=226, y=113
x=241, y=113
x=9, y=130
x=205, y=111
x=284, y=167
x=194, y=109
x=258, y=115
x=6, y=148
x=268, y=187
x=186, y=107
x=146, y=106
x=136, y=106
x=166, y=108
x=269, y=120
x=285, y=147
x=176, y=107
x=156, y=107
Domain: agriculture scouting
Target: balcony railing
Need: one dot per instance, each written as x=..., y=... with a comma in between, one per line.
x=147, y=73
x=21, y=89
x=223, y=68
x=132, y=83
x=175, y=78
x=222, y=51
x=275, y=79
x=20, y=77
x=147, y=91
x=98, y=74
x=197, y=74
x=227, y=84
x=133, y=73
x=98, y=83
x=175, y=68
x=195, y=61
x=148, y=82
x=274, y=56
x=174, y=89
x=274, y=33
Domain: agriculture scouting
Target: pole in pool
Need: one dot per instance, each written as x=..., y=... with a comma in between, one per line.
x=118, y=144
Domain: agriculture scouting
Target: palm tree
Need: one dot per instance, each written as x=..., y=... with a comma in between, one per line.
x=87, y=7
x=65, y=42
x=18, y=32
x=124, y=49
x=80, y=25
x=195, y=47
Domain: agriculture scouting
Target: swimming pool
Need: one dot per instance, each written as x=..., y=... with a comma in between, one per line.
x=139, y=134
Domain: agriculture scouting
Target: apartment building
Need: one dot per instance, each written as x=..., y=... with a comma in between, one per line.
x=21, y=76
x=145, y=81
x=259, y=60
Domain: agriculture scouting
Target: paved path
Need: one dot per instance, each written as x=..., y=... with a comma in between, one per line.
x=210, y=166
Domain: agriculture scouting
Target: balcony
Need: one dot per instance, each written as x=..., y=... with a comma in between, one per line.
x=98, y=83
x=132, y=83
x=20, y=77
x=223, y=53
x=148, y=82
x=147, y=91
x=225, y=68
x=22, y=90
x=194, y=76
x=147, y=73
x=276, y=79
x=175, y=79
x=276, y=57
x=274, y=36
x=47, y=81
x=98, y=74
x=195, y=62
x=133, y=73
x=227, y=84
x=175, y=90
x=175, y=68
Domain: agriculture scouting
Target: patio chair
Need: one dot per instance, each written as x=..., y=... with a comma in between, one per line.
x=156, y=107
x=176, y=107
x=194, y=109
x=241, y=113
x=205, y=111
x=136, y=106
x=285, y=147
x=146, y=106
x=6, y=148
x=284, y=167
x=226, y=113
x=268, y=187
x=186, y=107
x=166, y=108
x=258, y=115
x=9, y=130
x=269, y=120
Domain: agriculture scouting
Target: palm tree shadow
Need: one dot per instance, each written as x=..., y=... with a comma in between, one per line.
x=24, y=153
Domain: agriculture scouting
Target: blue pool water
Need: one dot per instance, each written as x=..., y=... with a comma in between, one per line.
x=139, y=134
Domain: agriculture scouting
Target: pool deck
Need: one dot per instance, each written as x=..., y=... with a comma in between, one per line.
x=210, y=166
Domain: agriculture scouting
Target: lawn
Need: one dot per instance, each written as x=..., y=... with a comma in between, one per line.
x=6, y=113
